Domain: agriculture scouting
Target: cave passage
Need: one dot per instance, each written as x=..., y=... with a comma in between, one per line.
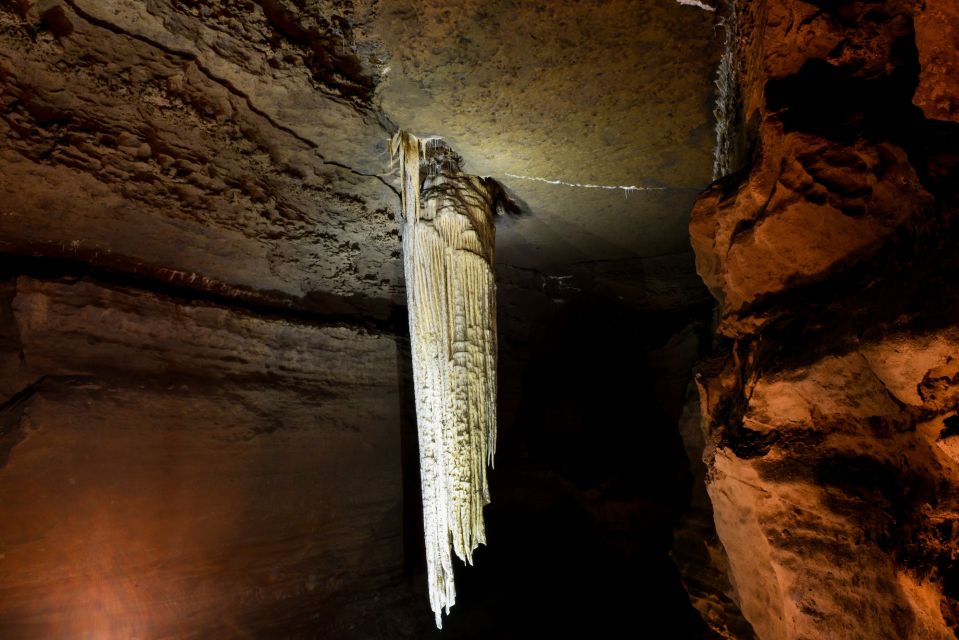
x=719, y=366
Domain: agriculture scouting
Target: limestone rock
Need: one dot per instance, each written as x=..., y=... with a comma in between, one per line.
x=187, y=147
x=836, y=512
x=829, y=404
x=195, y=470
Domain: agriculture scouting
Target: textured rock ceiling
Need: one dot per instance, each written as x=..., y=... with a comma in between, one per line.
x=241, y=147
x=604, y=93
x=202, y=351
x=221, y=148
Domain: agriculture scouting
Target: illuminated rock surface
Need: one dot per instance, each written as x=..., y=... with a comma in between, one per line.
x=207, y=424
x=202, y=263
x=830, y=404
x=179, y=469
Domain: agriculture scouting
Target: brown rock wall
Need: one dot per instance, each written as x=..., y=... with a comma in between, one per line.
x=808, y=207
x=828, y=402
x=937, y=38
x=171, y=142
x=193, y=471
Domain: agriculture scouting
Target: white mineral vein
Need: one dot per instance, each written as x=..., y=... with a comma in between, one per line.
x=581, y=185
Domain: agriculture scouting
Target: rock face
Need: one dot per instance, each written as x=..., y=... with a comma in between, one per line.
x=830, y=403
x=616, y=93
x=182, y=469
x=206, y=420
x=937, y=38
x=810, y=207
x=198, y=151
x=206, y=423
x=201, y=428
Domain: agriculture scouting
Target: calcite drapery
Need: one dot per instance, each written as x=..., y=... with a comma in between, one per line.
x=448, y=237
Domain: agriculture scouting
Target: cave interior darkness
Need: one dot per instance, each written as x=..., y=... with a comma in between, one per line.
x=726, y=306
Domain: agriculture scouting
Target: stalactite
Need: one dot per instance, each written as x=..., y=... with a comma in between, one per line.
x=448, y=237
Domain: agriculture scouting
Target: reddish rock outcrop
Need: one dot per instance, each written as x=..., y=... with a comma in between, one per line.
x=830, y=404
x=808, y=208
x=937, y=38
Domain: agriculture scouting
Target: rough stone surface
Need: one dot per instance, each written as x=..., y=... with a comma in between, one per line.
x=611, y=93
x=253, y=136
x=848, y=492
x=696, y=549
x=809, y=207
x=178, y=145
x=937, y=38
x=206, y=403
x=829, y=403
x=192, y=471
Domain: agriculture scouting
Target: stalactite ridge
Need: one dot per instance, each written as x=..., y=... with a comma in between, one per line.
x=448, y=239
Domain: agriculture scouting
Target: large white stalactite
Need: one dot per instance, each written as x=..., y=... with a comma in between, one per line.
x=448, y=237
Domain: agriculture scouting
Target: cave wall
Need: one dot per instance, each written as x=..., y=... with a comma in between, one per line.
x=202, y=146
x=201, y=372
x=829, y=404
x=206, y=424
x=202, y=327
x=175, y=469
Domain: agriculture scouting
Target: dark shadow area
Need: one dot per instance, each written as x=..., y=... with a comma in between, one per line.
x=590, y=478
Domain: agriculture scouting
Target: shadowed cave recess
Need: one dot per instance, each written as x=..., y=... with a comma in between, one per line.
x=727, y=311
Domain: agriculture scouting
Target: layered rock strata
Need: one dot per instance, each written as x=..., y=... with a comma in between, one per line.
x=190, y=470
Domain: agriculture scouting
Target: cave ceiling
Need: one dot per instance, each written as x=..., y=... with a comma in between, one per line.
x=241, y=148
x=203, y=344
x=602, y=93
